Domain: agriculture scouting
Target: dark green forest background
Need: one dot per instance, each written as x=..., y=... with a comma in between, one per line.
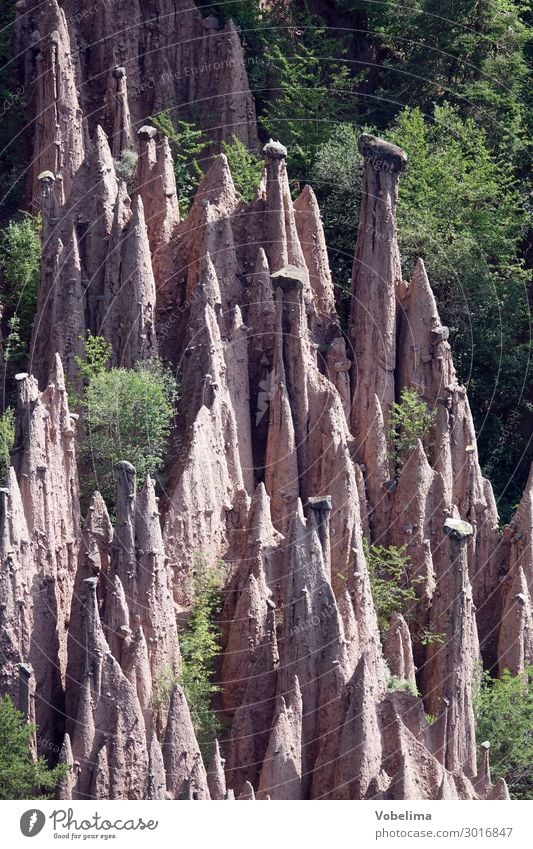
x=449, y=82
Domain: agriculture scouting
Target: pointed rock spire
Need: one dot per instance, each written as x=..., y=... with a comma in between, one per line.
x=314, y=250
x=156, y=183
x=376, y=278
x=186, y=776
x=398, y=650
x=118, y=112
x=59, y=133
x=130, y=297
x=450, y=666
x=216, y=779
x=281, y=774
x=282, y=243
x=515, y=641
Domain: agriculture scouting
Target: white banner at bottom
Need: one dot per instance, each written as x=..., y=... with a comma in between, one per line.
x=269, y=825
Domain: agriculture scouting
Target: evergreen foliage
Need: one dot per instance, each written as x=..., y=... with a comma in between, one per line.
x=503, y=708
x=246, y=169
x=21, y=777
x=7, y=439
x=411, y=420
x=20, y=254
x=392, y=590
x=187, y=143
x=199, y=645
x=128, y=415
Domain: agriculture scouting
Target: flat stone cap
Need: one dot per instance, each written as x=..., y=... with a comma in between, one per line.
x=289, y=277
x=119, y=72
x=46, y=176
x=125, y=466
x=275, y=150
x=382, y=155
x=320, y=502
x=458, y=529
x=485, y=744
x=91, y=583
x=147, y=132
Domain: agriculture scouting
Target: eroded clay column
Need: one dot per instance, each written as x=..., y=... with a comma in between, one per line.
x=376, y=276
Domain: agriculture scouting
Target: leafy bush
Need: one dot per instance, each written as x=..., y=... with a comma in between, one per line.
x=245, y=168
x=460, y=209
x=310, y=95
x=125, y=167
x=15, y=144
x=20, y=255
x=395, y=683
x=199, y=648
x=503, y=708
x=336, y=176
x=390, y=584
x=96, y=357
x=410, y=420
x=128, y=416
x=7, y=439
x=20, y=776
x=163, y=687
x=187, y=142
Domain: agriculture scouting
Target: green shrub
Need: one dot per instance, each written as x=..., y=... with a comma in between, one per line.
x=336, y=176
x=96, y=357
x=127, y=416
x=392, y=589
x=395, y=683
x=411, y=420
x=20, y=776
x=125, y=167
x=187, y=142
x=310, y=95
x=503, y=708
x=7, y=439
x=460, y=209
x=199, y=645
x=20, y=255
x=246, y=169
x=163, y=687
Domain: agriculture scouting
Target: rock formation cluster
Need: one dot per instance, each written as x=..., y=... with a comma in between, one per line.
x=281, y=466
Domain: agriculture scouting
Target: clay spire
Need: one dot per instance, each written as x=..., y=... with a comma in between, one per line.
x=376, y=278
x=313, y=244
x=282, y=243
x=130, y=298
x=16, y=579
x=59, y=132
x=450, y=667
x=45, y=462
x=216, y=779
x=118, y=112
x=156, y=183
x=281, y=775
x=186, y=776
x=515, y=642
